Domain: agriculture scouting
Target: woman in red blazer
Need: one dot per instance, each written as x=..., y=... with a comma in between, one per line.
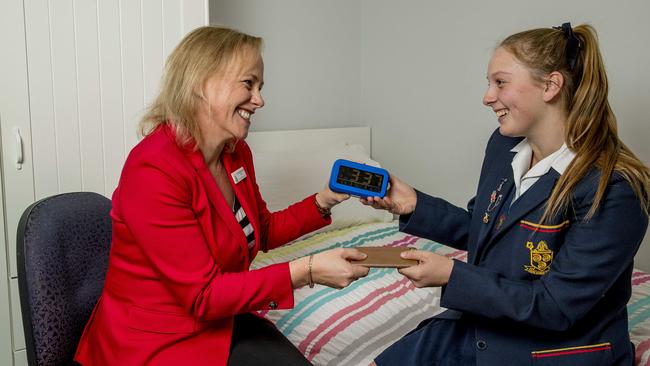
x=188, y=219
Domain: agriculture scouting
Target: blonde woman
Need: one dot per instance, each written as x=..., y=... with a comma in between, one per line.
x=560, y=211
x=188, y=220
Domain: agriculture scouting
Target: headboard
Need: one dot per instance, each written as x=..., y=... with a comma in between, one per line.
x=293, y=164
x=308, y=139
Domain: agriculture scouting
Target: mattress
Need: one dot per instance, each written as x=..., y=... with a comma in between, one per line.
x=353, y=325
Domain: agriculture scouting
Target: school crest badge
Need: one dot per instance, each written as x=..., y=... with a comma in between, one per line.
x=540, y=258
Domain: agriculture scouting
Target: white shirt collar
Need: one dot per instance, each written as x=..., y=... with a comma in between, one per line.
x=558, y=160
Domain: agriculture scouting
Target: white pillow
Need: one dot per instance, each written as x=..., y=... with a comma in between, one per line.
x=285, y=177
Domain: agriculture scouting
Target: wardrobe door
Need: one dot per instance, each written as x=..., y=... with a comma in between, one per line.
x=16, y=158
x=76, y=76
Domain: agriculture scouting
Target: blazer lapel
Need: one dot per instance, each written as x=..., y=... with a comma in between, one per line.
x=504, y=181
x=244, y=192
x=217, y=199
x=535, y=196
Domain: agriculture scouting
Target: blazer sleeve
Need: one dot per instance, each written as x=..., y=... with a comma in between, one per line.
x=438, y=220
x=594, y=256
x=155, y=201
x=281, y=227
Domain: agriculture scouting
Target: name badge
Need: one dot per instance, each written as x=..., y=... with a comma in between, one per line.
x=238, y=175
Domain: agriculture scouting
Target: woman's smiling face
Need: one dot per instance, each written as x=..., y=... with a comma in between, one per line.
x=232, y=97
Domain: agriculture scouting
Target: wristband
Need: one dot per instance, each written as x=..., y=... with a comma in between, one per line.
x=311, y=280
x=324, y=212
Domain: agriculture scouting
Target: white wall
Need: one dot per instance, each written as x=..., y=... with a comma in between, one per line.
x=423, y=77
x=311, y=59
x=414, y=71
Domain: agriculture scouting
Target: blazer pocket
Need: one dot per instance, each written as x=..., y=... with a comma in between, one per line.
x=160, y=322
x=592, y=355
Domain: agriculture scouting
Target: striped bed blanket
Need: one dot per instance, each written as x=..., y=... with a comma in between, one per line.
x=353, y=325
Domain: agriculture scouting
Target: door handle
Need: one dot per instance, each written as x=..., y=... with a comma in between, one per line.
x=18, y=149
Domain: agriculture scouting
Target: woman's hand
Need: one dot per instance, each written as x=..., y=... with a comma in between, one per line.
x=330, y=268
x=400, y=198
x=433, y=269
x=328, y=198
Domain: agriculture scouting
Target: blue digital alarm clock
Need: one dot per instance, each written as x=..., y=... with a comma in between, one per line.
x=358, y=180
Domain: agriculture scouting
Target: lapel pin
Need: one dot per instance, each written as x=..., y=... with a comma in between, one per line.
x=500, y=222
x=495, y=199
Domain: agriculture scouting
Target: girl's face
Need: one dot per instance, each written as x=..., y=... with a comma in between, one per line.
x=514, y=96
x=232, y=97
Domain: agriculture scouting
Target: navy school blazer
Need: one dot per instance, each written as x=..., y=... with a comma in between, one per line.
x=552, y=294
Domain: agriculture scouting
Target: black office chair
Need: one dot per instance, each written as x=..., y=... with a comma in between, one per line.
x=62, y=250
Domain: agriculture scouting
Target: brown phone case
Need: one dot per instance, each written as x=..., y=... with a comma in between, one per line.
x=385, y=257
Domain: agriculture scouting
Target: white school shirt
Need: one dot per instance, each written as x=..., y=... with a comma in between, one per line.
x=525, y=178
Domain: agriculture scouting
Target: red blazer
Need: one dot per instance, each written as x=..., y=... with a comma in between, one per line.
x=179, y=262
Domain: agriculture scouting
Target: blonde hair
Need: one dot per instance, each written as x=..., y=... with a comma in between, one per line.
x=590, y=129
x=203, y=52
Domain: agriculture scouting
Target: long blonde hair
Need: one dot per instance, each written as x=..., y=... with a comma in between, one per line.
x=590, y=129
x=203, y=52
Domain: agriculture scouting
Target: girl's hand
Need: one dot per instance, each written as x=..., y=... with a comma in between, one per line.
x=432, y=271
x=400, y=198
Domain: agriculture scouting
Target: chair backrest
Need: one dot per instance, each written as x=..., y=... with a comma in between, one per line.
x=63, y=244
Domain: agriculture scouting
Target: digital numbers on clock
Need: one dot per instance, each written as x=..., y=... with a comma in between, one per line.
x=358, y=179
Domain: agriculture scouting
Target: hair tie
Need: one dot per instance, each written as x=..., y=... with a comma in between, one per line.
x=573, y=45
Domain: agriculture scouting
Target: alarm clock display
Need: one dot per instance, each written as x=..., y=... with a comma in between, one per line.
x=358, y=180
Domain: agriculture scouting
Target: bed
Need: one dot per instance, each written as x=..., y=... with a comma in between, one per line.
x=353, y=325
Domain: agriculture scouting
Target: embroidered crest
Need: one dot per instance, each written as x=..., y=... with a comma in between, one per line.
x=540, y=258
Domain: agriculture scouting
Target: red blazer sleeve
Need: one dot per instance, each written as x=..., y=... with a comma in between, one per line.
x=159, y=199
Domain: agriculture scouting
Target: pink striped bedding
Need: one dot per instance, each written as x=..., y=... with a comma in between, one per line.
x=351, y=326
